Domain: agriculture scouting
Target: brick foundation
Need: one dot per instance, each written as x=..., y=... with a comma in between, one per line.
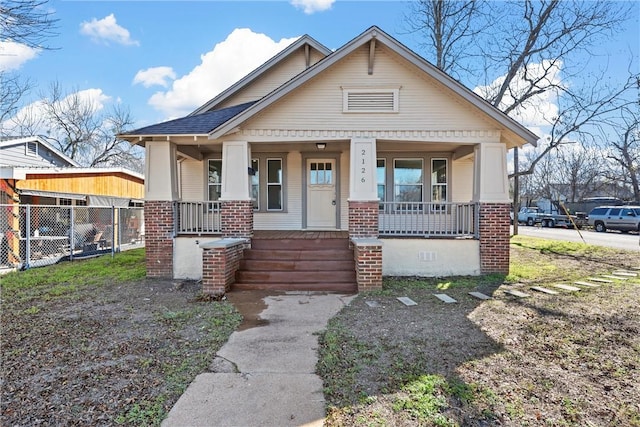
x=363, y=219
x=367, y=254
x=220, y=261
x=494, y=238
x=237, y=218
x=159, y=238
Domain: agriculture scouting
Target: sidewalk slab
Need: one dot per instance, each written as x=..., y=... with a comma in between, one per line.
x=267, y=371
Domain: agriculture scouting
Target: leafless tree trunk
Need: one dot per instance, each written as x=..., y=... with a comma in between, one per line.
x=449, y=27
x=528, y=51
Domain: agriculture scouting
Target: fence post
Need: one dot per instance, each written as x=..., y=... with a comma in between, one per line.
x=113, y=236
x=72, y=232
x=27, y=261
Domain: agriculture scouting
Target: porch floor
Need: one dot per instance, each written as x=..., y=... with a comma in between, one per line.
x=297, y=234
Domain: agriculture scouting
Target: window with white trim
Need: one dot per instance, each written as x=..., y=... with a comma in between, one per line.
x=439, y=180
x=255, y=183
x=214, y=179
x=407, y=180
x=274, y=184
x=381, y=177
x=370, y=100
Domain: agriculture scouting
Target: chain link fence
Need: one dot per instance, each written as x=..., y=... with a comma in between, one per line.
x=36, y=235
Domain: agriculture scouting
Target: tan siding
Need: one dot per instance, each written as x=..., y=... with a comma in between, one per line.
x=292, y=219
x=192, y=181
x=271, y=80
x=115, y=185
x=423, y=104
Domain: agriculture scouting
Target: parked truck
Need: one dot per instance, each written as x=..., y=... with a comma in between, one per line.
x=533, y=215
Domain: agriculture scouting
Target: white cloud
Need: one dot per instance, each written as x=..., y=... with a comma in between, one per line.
x=107, y=30
x=539, y=110
x=35, y=112
x=154, y=76
x=230, y=60
x=312, y=6
x=13, y=55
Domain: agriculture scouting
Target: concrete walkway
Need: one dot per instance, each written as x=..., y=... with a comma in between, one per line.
x=265, y=374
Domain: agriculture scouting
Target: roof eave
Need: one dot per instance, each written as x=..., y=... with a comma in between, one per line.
x=375, y=32
x=255, y=74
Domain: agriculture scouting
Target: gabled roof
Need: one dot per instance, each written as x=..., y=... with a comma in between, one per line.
x=258, y=72
x=199, y=124
x=40, y=140
x=379, y=35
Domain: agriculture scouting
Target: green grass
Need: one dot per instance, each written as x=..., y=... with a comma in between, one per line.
x=67, y=277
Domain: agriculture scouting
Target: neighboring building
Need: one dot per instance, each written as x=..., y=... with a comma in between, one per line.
x=369, y=142
x=33, y=172
x=51, y=208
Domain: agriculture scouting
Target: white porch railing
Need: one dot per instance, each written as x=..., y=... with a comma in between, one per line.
x=198, y=218
x=428, y=219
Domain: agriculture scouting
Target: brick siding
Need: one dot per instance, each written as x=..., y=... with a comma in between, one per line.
x=368, y=260
x=363, y=219
x=494, y=234
x=237, y=218
x=159, y=238
x=219, y=266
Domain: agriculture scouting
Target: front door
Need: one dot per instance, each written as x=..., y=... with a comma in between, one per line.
x=321, y=194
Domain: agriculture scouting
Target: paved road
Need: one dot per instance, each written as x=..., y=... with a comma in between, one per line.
x=613, y=239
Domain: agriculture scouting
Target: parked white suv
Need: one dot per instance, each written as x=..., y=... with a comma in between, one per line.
x=623, y=218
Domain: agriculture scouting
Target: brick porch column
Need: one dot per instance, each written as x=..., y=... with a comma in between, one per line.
x=159, y=238
x=494, y=233
x=220, y=261
x=237, y=218
x=368, y=258
x=363, y=219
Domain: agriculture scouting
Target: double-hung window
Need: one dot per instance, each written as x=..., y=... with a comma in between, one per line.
x=438, y=180
x=266, y=181
x=214, y=179
x=407, y=180
x=255, y=183
x=274, y=184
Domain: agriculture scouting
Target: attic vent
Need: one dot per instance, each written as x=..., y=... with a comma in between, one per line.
x=32, y=148
x=370, y=100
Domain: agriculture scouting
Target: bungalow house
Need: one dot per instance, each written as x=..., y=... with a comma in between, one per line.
x=329, y=169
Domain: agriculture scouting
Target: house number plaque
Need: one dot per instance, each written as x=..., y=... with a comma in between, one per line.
x=363, y=164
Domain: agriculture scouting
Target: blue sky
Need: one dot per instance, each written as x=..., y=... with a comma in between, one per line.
x=163, y=59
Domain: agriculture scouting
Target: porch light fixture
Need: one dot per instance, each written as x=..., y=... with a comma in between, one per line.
x=321, y=145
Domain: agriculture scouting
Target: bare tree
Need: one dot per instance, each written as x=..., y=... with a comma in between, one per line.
x=625, y=150
x=79, y=127
x=28, y=22
x=449, y=28
x=529, y=51
x=12, y=89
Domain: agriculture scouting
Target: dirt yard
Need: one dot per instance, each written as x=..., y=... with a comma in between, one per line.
x=571, y=359
x=121, y=353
